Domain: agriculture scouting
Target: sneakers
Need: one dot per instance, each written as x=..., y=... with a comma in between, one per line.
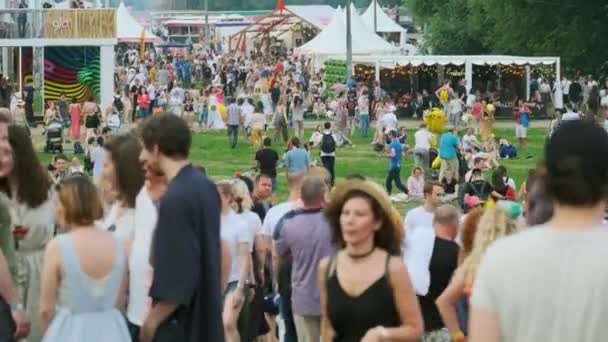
x=401, y=197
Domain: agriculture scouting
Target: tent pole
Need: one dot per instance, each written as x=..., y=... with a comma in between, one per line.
x=349, y=44
x=527, y=82
x=375, y=16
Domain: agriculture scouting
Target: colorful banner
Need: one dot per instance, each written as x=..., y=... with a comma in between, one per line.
x=73, y=70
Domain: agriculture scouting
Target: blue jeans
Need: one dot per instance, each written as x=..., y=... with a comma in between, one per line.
x=364, y=125
x=394, y=175
x=233, y=134
x=143, y=113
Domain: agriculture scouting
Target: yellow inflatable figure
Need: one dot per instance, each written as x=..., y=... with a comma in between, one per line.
x=223, y=112
x=435, y=120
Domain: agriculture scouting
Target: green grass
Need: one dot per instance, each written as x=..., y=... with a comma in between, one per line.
x=211, y=150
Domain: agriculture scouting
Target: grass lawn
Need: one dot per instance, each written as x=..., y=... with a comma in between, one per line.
x=212, y=151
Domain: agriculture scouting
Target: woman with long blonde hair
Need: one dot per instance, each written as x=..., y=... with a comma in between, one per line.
x=494, y=224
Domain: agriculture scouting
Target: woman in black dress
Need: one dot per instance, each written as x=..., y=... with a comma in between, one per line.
x=366, y=292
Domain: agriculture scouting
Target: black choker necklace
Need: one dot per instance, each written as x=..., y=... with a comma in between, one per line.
x=361, y=256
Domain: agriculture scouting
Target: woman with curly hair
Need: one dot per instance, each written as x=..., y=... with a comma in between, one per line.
x=494, y=224
x=366, y=292
x=27, y=185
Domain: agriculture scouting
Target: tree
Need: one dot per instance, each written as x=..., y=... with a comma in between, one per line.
x=574, y=30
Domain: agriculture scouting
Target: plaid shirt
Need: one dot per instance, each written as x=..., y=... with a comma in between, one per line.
x=233, y=115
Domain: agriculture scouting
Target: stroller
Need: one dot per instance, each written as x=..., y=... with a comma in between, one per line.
x=54, y=137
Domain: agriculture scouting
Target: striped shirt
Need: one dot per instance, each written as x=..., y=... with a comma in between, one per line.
x=233, y=115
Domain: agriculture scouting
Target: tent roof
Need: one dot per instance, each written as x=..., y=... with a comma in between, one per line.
x=280, y=21
x=392, y=61
x=129, y=30
x=318, y=15
x=384, y=23
x=332, y=40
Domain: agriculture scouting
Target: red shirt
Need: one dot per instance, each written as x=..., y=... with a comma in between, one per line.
x=143, y=101
x=279, y=68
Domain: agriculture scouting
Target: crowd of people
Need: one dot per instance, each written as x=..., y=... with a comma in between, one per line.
x=136, y=243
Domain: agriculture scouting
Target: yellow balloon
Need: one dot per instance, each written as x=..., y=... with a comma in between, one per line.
x=223, y=112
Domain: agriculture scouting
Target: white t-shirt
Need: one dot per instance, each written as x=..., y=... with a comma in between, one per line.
x=254, y=224
x=546, y=285
x=389, y=122
x=566, y=87
x=140, y=270
x=274, y=215
x=258, y=121
x=418, y=217
x=468, y=141
x=247, y=112
x=570, y=116
x=98, y=157
x=121, y=226
x=234, y=231
x=423, y=139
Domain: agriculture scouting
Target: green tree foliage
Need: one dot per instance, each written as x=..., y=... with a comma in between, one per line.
x=572, y=29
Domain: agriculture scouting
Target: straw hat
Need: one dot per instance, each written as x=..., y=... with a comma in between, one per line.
x=376, y=192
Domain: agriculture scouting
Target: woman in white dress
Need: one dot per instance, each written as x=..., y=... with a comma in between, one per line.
x=125, y=177
x=84, y=273
x=214, y=120
x=27, y=185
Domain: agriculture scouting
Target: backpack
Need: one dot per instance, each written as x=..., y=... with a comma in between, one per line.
x=328, y=144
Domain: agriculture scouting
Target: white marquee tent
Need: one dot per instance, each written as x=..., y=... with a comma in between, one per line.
x=384, y=23
x=331, y=42
x=129, y=30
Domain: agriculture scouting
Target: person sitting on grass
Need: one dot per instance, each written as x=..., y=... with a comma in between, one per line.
x=450, y=186
x=415, y=185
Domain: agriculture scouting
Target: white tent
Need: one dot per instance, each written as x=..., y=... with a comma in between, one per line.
x=129, y=30
x=331, y=42
x=384, y=23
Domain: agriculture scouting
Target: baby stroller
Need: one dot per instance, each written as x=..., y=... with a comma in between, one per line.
x=54, y=137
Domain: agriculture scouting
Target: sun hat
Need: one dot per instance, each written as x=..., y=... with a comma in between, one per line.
x=472, y=201
x=376, y=192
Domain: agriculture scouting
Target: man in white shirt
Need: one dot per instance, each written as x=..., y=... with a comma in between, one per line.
x=422, y=216
x=247, y=110
x=566, y=90
x=389, y=120
x=422, y=146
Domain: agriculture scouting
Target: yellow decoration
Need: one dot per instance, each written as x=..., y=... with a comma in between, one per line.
x=436, y=163
x=223, y=111
x=490, y=203
x=435, y=120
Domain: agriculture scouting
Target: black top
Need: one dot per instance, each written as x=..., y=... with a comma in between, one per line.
x=261, y=208
x=479, y=188
x=444, y=262
x=185, y=256
x=268, y=159
x=449, y=188
x=351, y=317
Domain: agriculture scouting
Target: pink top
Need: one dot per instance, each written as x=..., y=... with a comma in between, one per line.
x=415, y=186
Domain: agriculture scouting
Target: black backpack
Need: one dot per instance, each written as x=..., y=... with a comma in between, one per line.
x=78, y=148
x=328, y=144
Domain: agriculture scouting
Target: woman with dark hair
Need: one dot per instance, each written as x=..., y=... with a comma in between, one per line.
x=366, y=292
x=27, y=185
x=143, y=101
x=125, y=178
x=75, y=114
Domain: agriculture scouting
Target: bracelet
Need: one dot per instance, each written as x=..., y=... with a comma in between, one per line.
x=457, y=336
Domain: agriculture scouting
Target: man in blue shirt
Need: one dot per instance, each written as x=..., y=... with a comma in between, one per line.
x=449, y=144
x=186, y=249
x=395, y=153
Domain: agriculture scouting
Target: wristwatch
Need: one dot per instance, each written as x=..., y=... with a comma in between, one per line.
x=17, y=307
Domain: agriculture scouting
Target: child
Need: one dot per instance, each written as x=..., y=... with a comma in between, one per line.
x=114, y=121
x=76, y=167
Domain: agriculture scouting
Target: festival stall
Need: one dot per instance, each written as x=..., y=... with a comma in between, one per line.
x=331, y=42
x=464, y=67
x=384, y=23
x=289, y=25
